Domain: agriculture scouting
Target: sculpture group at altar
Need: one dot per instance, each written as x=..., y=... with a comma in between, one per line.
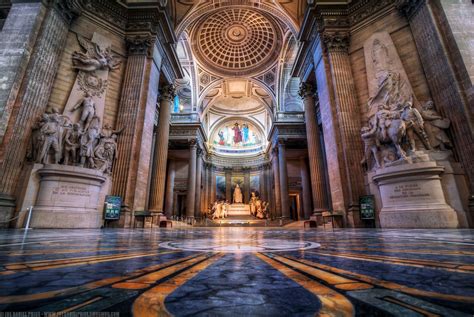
x=257, y=208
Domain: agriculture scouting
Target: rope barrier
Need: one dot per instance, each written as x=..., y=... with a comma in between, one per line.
x=10, y=219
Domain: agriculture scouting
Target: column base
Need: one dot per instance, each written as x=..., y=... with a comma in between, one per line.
x=7, y=209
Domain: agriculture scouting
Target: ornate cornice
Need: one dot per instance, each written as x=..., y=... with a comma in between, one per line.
x=336, y=41
x=167, y=93
x=69, y=10
x=306, y=90
x=409, y=7
x=139, y=45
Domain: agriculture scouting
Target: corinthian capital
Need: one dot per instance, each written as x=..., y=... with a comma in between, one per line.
x=139, y=45
x=409, y=7
x=167, y=92
x=306, y=90
x=68, y=9
x=336, y=41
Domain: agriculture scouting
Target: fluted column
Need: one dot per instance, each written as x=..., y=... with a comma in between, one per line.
x=212, y=192
x=197, y=208
x=133, y=110
x=32, y=60
x=315, y=154
x=246, y=187
x=284, y=196
x=191, y=193
x=348, y=120
x=305, y=184
x=205, y=187
x=167, y=94
x=170, y=188
x=276, y=180
x=228, y=186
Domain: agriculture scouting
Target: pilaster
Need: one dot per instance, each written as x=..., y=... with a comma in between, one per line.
x=135, y=109
x=28, y=93
x=191, y=193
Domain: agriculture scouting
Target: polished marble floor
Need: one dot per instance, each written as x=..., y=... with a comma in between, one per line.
x=239, y=272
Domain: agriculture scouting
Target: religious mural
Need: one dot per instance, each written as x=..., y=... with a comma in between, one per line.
x=220, y=187
x=237, y=137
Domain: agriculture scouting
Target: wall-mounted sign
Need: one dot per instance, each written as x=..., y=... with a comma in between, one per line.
x=112, y=207
x=367, y=207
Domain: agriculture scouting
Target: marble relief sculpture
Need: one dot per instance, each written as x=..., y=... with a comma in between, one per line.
x=396, y=127
x=436, y=127
x=94, y=58
x=80, y=140
x=88, y=110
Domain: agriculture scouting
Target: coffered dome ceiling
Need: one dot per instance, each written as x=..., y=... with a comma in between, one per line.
x=236, y=41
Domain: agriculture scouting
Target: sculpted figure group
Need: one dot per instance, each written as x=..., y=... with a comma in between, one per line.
x=56, y=140
x=395, y=126
x=258, y=207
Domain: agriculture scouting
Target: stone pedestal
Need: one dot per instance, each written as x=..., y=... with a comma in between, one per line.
x=68, y=198
x=412, y=197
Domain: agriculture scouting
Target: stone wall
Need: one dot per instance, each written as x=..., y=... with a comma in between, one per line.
x=460, y=14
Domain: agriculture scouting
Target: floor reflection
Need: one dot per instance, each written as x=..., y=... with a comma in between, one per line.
x=239, y=271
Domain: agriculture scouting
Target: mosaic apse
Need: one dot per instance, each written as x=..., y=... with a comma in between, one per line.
x=239, y=271
x=237, y=137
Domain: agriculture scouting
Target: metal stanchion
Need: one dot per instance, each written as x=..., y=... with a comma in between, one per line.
x=29, y=218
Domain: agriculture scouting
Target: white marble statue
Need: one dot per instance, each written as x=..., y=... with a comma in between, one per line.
x=238, y=199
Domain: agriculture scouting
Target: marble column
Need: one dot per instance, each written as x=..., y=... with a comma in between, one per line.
x=276, y=181
x=306, y=186
x=167, y=94
x=348, y=121
x=448, y=80
x=212, y=192
x=263, y=184
x=32, y=41
x=205, y=188
x=191, y=192
x=197, y=208
x=246, y=187
x=283, y=171
x=137, y=103
x=315, y=154
x=170, y=188
x=228, y=185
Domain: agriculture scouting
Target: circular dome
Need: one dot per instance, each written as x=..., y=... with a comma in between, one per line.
x=236, y=41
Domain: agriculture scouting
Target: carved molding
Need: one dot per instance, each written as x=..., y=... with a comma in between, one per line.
x=409, y=7
x=69, y=10
x=336, y=41
x=306, y=90
x=167, y=92
x=139, y=45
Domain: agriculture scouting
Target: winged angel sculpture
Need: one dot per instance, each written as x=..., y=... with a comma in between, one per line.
x=95, y=58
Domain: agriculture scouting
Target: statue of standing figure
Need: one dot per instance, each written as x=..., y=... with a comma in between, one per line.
x=435, y=127
x=50, y=139
x=88, y=110
x=238, y=199
x=88, y=143
x=414, y=125
x=72, y=143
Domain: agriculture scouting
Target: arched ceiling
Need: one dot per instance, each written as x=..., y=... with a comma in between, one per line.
x=236, y=41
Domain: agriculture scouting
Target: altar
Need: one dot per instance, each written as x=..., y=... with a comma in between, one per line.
x=238, y=210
